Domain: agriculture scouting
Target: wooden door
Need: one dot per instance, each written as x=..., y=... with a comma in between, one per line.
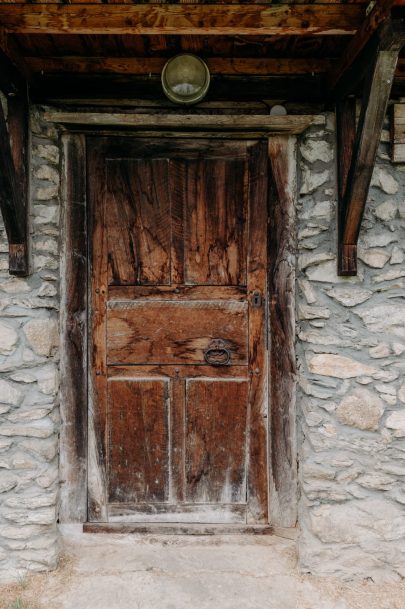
x=178, y=387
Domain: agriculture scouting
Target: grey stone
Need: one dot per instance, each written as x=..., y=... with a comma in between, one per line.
x=42, y=335
x=381, y=350
x=349, y=296
x=376, y=481
x=313, y=150
x=338, y=366
x=397, y=255
x=311, y=312
x=9, y=394
x=307, y=290
x=45, y=172
x=8, y=339
x=47, y=193
x=362, y=409
x=49, y=152
x=387, y=210
x=376, y=258
x=401, y=393
x=384, y=180
x=384, y=318
x=396, y=421
x=311, y=181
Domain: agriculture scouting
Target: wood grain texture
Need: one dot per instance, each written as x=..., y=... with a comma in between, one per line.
x=215, y=451
x=154, y=65
x=159, y=332
x=283, y=454
x=138, y=222
x=138, y=441
x=215, y=226
x=177, y=529
x=164, y=19
x=73, y=362
x=292, y=124
x=345, y=136
x=98, y=285
x=154, y=339
x=257, y=496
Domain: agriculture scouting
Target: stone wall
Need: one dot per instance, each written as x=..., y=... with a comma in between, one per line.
x=351, y=361
x=29, y=378
x=351, y=357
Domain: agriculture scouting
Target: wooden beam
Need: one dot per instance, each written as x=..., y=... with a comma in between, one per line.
x=283, y=457
x=73, y=361
x=345, y=136
x=377, y=88
x=218, y=19
x=292, y=124
x=154, y=65
x=378, y=15
x=13, y=184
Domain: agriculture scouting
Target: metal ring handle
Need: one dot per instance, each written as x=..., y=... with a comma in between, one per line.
x=217, y=354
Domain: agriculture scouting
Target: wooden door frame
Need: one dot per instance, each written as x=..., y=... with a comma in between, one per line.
x=281, y=328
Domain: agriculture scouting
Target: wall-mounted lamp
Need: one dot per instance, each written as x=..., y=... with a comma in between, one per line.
x=185, y=79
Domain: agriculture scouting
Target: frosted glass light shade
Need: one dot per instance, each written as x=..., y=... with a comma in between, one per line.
x=185, y=79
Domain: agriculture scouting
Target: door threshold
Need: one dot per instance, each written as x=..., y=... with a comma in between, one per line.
x=177, y=528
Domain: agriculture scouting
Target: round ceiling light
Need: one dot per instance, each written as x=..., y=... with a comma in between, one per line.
x=185, y=79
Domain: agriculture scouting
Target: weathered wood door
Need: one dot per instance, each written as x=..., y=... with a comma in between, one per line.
x=178, y=388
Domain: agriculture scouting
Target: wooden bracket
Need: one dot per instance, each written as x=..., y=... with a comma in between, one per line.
x=357, y=146
x=13, y=180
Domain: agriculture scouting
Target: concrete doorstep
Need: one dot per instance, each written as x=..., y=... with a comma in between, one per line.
x=178, y=572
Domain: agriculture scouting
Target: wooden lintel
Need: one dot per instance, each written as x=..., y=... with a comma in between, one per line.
x=13, y=181
x=218, y=19
x=353, y=190
x=289, y=124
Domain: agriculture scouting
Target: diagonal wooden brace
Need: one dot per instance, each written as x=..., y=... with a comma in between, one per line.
x=357, y=147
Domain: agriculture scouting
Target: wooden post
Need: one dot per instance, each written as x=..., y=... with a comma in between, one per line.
x=283, y=475
x=73, y=462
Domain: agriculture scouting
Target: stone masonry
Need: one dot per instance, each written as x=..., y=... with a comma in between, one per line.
x=351, y=358
x=351, y=363
x=29, y=414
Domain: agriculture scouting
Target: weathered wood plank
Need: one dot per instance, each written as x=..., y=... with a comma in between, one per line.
x=346, y=135
x=177, y=529
x=73, y=435
x=257, y=474
x=98, y=281
x=182, y=19
x=177, y=332
x=177, y=292
x=13, y=191
x=293, y=124
x=283, y=473
x=138, y=440
x=181, y=372
x=153, y=65
x=215, y=445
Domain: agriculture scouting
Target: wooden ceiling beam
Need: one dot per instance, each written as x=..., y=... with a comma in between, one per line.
x=154, y=65
x=216, y=19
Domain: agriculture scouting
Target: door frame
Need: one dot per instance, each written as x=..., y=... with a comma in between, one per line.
x=283, y=495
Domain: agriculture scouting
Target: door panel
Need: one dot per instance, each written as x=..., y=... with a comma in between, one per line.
x=215, y=467
x=138, y=440
x=161, y=332
x=178, y=384
x=138, y=231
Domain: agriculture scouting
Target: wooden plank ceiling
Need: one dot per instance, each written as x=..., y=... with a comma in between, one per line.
x=60, y=44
